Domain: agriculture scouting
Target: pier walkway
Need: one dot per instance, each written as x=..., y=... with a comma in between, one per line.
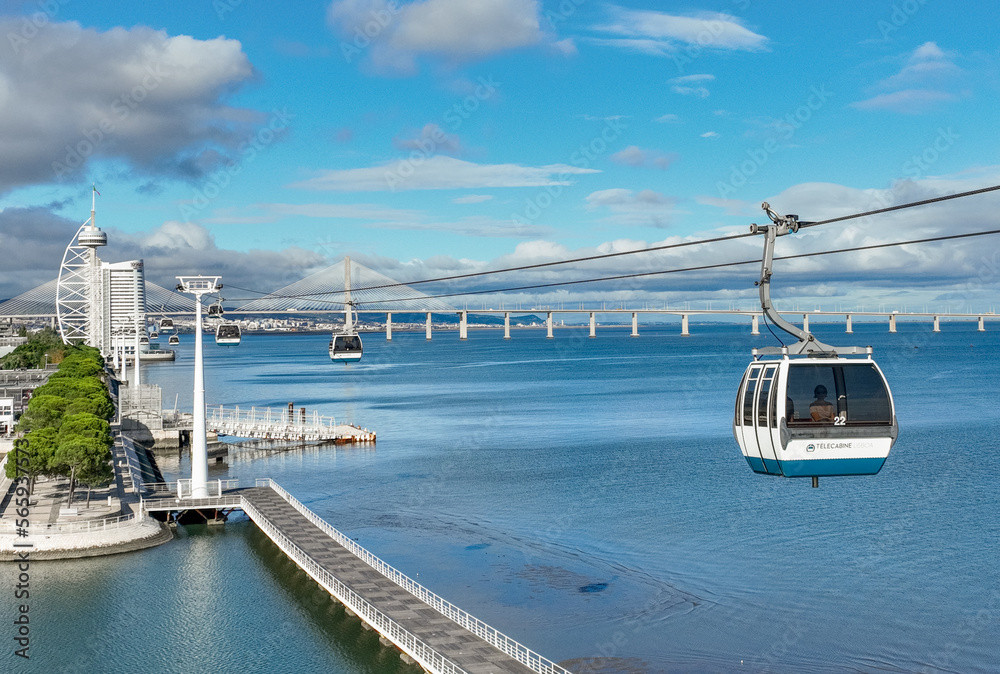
x=282, y=424
x=433, y=632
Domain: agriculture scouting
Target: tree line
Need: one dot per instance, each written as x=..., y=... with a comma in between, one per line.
x=66, y=423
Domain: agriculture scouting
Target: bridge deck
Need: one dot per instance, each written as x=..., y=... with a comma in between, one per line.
x=458, y=645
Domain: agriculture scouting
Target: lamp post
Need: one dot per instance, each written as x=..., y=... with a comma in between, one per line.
x=198, y=286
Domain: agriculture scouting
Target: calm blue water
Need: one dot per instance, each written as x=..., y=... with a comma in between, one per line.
x=584, y=496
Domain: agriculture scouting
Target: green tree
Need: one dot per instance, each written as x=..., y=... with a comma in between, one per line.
x=32, y=354
x=43, y=410
x=98, y=405
x=78, y=455
x=84, y=425
x=96, y=473
x=72, y=387
x=39, y=446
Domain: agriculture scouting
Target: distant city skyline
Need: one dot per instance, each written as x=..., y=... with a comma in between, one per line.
x=437, y=137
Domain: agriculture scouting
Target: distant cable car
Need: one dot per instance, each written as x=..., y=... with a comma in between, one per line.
x=174, y=340
x=154, y=335
x=346, y=345
x=228, y=334
x=813, y=412
x=143, y=340
x=215, y=308
x=166, y=324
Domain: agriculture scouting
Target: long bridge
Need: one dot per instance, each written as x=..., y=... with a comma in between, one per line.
x=426, y=628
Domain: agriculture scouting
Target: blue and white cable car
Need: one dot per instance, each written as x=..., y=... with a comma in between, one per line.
x=815, y=410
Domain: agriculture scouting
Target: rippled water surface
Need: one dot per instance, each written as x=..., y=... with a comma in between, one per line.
x=584, y=496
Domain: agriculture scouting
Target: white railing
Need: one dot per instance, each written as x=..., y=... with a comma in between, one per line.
x=270, y=423
x=224, y=501
x=424, y=654
x=485, y=632
x=105, y=524
x=132, y=462
x=268, y=416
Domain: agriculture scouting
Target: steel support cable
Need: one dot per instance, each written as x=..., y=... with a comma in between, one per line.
x=718, y=265
x=913, y=204
x=603, y=256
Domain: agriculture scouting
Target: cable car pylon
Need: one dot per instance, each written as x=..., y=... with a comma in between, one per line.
x=851, y=434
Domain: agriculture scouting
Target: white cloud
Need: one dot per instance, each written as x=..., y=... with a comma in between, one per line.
x=712, y=30
x=155, y=101
x=697, y=77
x=566, y=47
x=439, y=172
x=710, y=134
x=699, y=92
x=432, y=139
x=474, y=225
x=272, y=212
x=646, y=207
x=911, y=101
x=685, y=85
x=923, y=84
x=668, y=118
x=396, y=35
x=640, y=46
x=633, y=155
x=472, y=199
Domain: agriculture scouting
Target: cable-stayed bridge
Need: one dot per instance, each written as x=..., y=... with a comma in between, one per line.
x=40, y=302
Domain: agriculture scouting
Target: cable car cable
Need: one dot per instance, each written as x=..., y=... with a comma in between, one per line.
x=696, y=268
x=888, y=209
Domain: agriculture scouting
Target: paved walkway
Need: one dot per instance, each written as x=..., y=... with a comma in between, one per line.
x=455, y=643
x=57, y=529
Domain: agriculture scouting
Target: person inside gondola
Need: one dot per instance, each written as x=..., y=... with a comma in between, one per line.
x=821, y=409
x=789, y=408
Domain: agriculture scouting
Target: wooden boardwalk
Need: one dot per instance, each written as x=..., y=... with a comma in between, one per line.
x=455, y=644
x=434, y=633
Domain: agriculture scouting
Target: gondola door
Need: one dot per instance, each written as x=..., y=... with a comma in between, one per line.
x=756, y=421
x=765, y=422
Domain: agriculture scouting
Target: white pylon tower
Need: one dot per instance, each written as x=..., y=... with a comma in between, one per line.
x=198, y=286
x=348, y=318
x=78, y=289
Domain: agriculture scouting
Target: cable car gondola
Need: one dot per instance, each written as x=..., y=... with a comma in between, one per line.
x=215, y=308
x=228, y=334
x=813, y=411
x=345, y=346
x=154, y=335
x=174, y=340
x=166, y=324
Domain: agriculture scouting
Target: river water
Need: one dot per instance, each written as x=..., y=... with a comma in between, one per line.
x=583, y=496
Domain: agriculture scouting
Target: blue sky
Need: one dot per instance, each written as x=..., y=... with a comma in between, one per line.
x=424, y=138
